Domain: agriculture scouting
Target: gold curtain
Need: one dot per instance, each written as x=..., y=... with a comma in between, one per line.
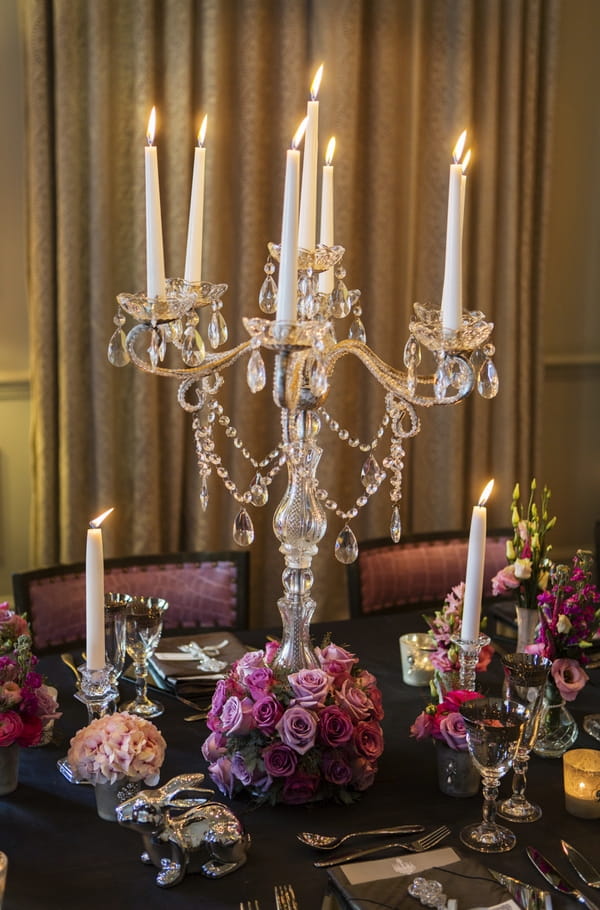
x=402, y=78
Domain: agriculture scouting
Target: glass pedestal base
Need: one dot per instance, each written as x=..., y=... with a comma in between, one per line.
x=519, y=809
x=487, y=838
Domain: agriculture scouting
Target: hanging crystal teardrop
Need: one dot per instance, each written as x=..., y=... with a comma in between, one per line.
x=340, y=305
x=217, y=329
x=477, y=359
x=162, y=348
x=267, y=297
x=396, y=524
x=487, y=383
x=154, y=348
x=346, y=547
x=370, y=472
x=412, y=352
x=256, y=375
x=259, y=494
x=318, y=381
x=243, y=529
x=440, y=382
x=193, y=351
x=118, y=354
x=357, y=330
x=204, y=493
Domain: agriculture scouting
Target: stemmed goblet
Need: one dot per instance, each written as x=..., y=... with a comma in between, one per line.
x=494, y=728
x=524, y=681
x=143, y=628
x=115, y=610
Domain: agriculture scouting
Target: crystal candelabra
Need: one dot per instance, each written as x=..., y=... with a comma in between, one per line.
x=306, y=353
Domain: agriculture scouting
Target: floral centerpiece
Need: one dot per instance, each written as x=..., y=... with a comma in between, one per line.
x=117, y=746
x=443, y=626
x=27, y=704
x=295, y=738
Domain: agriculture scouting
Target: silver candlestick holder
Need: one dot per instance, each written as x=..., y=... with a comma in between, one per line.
x=306, y=353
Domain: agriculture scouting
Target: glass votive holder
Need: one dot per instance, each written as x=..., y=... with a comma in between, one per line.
x=415, y=655
x=581, y=776
x=3, y=871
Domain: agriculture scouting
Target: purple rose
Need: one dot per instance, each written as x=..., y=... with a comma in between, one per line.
x=368, y=739
x=266, y=712
x=354, y=701
x=298, y=728
x=261, y=780
x=453, y=730
x=280, y=760
x=213, y=747
x=363, y=773
x=240, y=770
x=569, y=676
x=236, y=716
x=310, y=687
x=336, y=769
x=252, y=660
x=300, y=789
x=220, y=772
x=258, y=681
x=223, y=690
x=335, y=726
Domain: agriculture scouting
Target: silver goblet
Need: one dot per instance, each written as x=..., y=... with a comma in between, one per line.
x=494, y=728
x=143, y=628
x=524, y=681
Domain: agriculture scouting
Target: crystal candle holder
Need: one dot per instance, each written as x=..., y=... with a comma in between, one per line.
x=96, y=690
x=469, y=657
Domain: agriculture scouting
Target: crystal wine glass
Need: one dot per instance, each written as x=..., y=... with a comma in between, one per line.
x=143, y=628
x=524, y=680
x=115, y=609
x=494, y=728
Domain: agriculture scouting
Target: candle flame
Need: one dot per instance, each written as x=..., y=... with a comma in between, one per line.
x=465, y=161
x=314, y=89
x=330, y=150
x=151, y=127
x=486, y=493
x=459, y=147
x=96, y=522
x=299, y=134
x=202, y=131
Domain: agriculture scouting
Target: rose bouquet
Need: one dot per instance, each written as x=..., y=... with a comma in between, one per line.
x=443, y=721
x=295, y=738
x=115, y=747
x=443, y=626
x=528, y=568
x=27, y=704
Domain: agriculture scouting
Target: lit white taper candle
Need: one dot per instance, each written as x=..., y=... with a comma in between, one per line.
x=193, y=253
x=327, y=215
x=94, y=595
x=451, y=308
x=155, y=257
x=308, y=195
x=287, y=292
x=471, y=616
x=463, y=189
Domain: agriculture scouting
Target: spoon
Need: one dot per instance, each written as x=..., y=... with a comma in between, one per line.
x=328, y=842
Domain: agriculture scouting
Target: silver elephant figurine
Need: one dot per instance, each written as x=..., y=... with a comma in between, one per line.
x=185, y=833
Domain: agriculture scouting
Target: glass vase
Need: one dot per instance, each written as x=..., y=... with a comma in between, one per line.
x=558, y=728
x=527, y=621
x=109, y=796
x=457, y=775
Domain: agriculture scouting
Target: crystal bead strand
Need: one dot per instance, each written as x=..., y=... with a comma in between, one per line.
x=394, y=463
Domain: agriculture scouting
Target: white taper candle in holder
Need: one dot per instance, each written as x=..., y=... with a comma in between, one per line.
x=287, y=292
x=471, y=616
x=94, y=595
x=451, y=309
x=308, y=196
x=155, y=257
x=327, y=215
x=193, y=253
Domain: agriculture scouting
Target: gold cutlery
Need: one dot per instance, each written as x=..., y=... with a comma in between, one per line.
x=327, y=842
x=192, y=717
x=416, y=846
x=285, y=898
x=249, y=905
x=69, y=661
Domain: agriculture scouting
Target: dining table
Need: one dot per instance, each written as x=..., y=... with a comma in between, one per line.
x=62, y=855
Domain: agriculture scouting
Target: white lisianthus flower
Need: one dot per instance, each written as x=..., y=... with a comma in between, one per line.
x=564, y=625
x=523, y=569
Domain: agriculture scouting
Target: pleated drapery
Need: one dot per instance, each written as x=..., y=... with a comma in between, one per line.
x=402, y=78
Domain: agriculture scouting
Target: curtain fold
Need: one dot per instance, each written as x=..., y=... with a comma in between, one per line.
x=402, y=78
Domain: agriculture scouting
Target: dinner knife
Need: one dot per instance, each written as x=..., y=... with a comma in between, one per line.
x=582, y=866
x=526, y=896
x=558, y=881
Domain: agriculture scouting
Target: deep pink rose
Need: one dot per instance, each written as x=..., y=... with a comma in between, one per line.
x=258, y=681
x=354, y=700
x=453, y=730
x=213, y=747
x=280, y=760
x=310, y=687
x=300, y=788
x=365, y=680
x=569, y=676
x=220, y=772
x=423, y=726
x=271, y=649
x=298, y=728
x=266, y=712
x=368, y=739
x=455, y=698
x=11, y=727
x=335, y=726
x=363, y=773
x=236, y=716
x=31, y=733
x=336, y=769
x=375, y=696
x=505, y=581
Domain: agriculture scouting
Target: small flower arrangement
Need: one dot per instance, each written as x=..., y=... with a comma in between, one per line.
x=569, y=620
x=527, y=572
x=27, y=704
x=295, y=738
x=117, y=746
x=443, y=721
x=445, y=624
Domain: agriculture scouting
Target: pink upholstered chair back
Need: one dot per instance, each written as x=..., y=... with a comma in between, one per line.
x=418, y=571
x=204, y=590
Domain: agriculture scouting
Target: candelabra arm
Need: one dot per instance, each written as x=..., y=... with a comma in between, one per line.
x=211, y=364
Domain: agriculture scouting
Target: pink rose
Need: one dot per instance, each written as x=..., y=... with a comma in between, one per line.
x=223, y=690
x=375, y=696
x=336, y=661
x=280, y=760
x=11, y=727
x=453, y=730
x=220, y=772
x=271, y=649
x=297, y=728
x=368, y=739
x=505, y=581
x=363, y=772
x=485, y=656
x=214, y=746
x=10, y=694
x=310, y=687
x=354, y=700
x=11, y=624
x=31, y=733
x=258, y=681
x=266, y=713
x=300, y=788
x=423, y=726
x=236, y=716
x=569, y=676
x=335, y=726
x=336, y=769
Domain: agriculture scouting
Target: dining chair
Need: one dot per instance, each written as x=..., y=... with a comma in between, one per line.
x=419, y=570
x=204, y=590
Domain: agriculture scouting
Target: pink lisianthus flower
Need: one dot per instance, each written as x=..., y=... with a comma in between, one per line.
x=569, y=676
x=422, y=728
x=504, y=581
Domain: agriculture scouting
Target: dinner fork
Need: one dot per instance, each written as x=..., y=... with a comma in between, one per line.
x=416, y=846
x=285, y=898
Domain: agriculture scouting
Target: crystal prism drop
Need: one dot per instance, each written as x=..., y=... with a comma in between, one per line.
x=223, y=330
x=318, y=379
x=259, y=495
x=440, y=382
x=370, y=472
x=154, y=348
x=204, y=493
x=340, y=305
x=477, y=359
x=411, y=380
x=357, y=331
x=243, y=529
x=193, y=351
x=412, y=353
x=267, y=297
x=217, y=330
x=460, y=376
x=487, y=384
x=256, y=374
x=346, y=547
x=117, y=349
x=396, y=524
x=162, y=348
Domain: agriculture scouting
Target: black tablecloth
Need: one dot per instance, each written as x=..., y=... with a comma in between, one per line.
x=61, y=855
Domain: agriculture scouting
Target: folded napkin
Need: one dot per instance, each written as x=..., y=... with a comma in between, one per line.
x=178, y=666
x=384, y=882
